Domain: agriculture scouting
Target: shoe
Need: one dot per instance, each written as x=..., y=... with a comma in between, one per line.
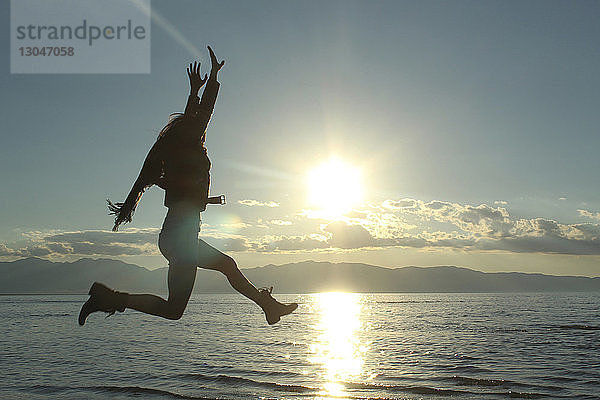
x=273, y=309
x=103, y=299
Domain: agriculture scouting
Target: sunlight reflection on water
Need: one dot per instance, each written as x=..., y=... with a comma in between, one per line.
x=337, y=347
x=361, y=346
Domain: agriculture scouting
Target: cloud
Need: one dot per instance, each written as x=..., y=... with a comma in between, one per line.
x=440, y=224
x=256, y=203
x=280, y=222
x=338, y=235
x=399, y=204
x=484, y=227
x=5, y=251
x=481, y=220
x=347, y=236
x=129, y=242
x=394, y=223
x=589, y=214
x=585, y=231
x=227, y=243
x=85, y=243
x=127, y=236
x=291, y=243
x=542, y=244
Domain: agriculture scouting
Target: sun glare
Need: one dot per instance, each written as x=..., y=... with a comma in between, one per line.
x=334, y=187
x=338, y=347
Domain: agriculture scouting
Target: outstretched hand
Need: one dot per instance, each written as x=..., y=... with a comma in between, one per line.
x=216, y=65
x=196, y=81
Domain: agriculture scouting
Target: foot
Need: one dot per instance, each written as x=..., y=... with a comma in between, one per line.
x=273, y=309
x=102, y=299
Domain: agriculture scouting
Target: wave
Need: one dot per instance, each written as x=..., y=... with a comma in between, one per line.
x=250, y=382
x=466, y=381
x=524, y=395
x=379, y=388
x=563, y=379
x=414, y=389
x=47, y=315
x=426, y=390
x=409, y=302
x=503, y=383
x=314, y=390
x=459, y=380
x=228, y=369
x=579, y=327
x=39, y=299
x=300, y=389
x=134, y=390
x=468, y=368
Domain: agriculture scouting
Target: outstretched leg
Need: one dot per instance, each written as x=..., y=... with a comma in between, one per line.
x=181, y=282
x=211, y=258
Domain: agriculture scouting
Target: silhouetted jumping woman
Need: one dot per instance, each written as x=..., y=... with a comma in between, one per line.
x=179, y=164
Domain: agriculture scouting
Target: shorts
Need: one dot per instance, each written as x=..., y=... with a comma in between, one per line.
x=178, y=239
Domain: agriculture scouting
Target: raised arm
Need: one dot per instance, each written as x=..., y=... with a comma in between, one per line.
x=209, y=96
x=201, y=111
x=196, y=82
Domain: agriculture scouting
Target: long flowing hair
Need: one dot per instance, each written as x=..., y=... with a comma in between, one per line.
x=152, y=171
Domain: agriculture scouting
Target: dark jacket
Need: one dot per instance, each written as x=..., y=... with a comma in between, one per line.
x=186, y=166
x=177, y=162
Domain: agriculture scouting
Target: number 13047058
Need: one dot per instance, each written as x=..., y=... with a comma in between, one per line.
x=47, y=51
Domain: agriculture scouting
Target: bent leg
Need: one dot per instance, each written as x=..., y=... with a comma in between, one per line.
x=211, y=258
x=181, y=282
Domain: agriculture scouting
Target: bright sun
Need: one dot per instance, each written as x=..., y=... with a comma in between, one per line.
x=334, y=187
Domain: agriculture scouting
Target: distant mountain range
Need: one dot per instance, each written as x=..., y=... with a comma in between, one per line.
x=34, y=275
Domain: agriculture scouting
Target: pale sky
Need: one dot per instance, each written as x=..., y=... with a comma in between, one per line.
x=474, y=124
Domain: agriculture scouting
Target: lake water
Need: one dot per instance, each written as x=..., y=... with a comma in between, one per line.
x=336, y=345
